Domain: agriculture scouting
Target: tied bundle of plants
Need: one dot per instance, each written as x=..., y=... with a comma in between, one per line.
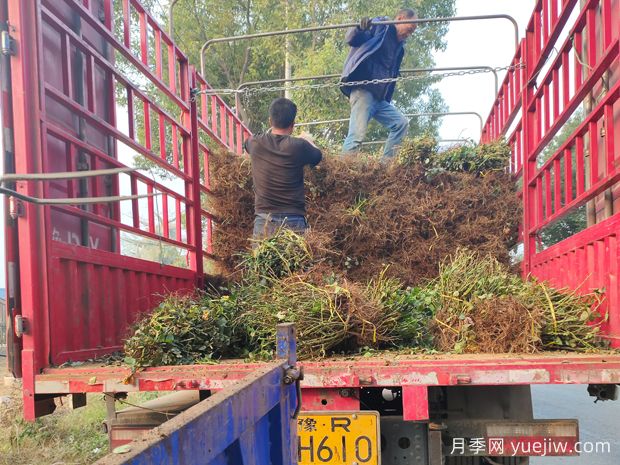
x=465, y=158
x=332, y=314
x=481, y=307
x=373, y=214
x=280, y=255
x=183, y=329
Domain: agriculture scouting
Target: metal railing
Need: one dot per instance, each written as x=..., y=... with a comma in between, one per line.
x=238, y=38
x=439, y=141
x=448, y=113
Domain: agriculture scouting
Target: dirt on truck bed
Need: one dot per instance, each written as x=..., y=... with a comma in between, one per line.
x=379, y=369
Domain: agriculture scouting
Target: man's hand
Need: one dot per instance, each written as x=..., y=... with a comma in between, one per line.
x=365, y=24
x=307, y=137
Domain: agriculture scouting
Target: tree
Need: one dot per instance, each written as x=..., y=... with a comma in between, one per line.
x=229, y=64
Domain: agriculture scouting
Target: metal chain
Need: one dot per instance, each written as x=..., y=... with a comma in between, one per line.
x=324, y=85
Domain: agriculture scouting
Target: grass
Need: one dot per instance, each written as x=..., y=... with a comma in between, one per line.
x=67, y=437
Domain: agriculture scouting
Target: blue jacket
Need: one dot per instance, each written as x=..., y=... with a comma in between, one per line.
x=363, y=45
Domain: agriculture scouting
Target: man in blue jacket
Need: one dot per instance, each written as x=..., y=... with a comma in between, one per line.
x=376, y=53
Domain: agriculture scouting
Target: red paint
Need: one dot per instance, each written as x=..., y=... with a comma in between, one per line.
x=324, y=380
x=415, y=403
x=330, y=399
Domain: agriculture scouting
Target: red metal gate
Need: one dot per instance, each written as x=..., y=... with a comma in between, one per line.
x=532, y=108
x=98, y=84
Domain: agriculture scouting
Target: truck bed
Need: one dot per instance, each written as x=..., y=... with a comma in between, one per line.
x=386, y=369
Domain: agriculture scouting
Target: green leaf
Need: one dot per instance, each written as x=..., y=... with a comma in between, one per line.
x=125, y=448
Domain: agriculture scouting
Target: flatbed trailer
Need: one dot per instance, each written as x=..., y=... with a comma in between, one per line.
x=352, y=372
x=69, y=105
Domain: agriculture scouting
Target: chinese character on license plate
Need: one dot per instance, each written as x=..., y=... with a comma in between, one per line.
x=338, y=438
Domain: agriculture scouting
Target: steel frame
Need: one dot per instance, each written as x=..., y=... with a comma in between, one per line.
x=446, y=370
x=325, y=77
x=322, y=77
x=448, y=113
x=66, y=121
x=238, y=38
x=439, y=141
x=335, y=385
x=585, y=165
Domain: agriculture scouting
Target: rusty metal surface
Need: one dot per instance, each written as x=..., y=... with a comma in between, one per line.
x=250, y=422
x=449, y=370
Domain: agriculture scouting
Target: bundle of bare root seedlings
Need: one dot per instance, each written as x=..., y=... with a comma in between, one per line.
x=407, y=214
x=184, y=329
x=474, y=305
x=480, y=306
x=281, y=281
x=285, y=280
x=387, y=264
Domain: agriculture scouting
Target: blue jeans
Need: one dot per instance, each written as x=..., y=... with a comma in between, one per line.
x=266, y=224
x=365, y=106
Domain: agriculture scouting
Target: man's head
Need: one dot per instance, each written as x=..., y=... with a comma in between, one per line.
x=282, y=114
x=403, y=31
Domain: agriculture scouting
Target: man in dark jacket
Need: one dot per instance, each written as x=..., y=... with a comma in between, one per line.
x=278, y=161
x=376, y=53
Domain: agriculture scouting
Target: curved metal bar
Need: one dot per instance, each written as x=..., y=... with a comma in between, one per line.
x=447, y=113
x=455, y=113
x=439, y=141
x=63, y=175
x=171, y=19
x=210, y=42
x=73, y=201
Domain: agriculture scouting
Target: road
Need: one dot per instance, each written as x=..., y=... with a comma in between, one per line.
x=597, y=422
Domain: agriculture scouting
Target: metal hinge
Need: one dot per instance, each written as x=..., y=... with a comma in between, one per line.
x=20, y=325
x=6, y=43
x=295, y=375
x=16, y=208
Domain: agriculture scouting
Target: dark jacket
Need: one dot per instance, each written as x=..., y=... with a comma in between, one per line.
x=363, y=45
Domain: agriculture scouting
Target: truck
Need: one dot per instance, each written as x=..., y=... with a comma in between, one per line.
x=73, y=117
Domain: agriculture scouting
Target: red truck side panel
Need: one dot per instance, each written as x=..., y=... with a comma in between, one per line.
x=585, y=169
x=95, y=87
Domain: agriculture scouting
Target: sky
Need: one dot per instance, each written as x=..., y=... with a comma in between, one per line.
x=470, y=43
x=477, y=43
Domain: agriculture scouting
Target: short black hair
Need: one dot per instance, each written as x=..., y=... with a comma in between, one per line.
x=407, y=12
x=282, y=112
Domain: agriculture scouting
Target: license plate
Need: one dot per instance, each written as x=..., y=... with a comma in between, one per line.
x=338, y=438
